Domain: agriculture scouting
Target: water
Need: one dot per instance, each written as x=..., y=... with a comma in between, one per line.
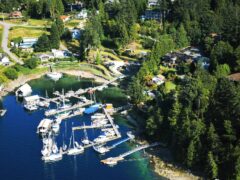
x=20, y=146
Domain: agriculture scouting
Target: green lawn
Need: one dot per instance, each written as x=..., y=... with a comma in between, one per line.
x=39, y=22
x=26, y=32
x=169, y=86
x=73, y=23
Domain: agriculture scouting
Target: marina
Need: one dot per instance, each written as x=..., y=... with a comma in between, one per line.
x=54, y=163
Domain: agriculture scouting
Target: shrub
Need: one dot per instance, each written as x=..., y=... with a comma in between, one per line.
x=32, y=63
x=11, y=73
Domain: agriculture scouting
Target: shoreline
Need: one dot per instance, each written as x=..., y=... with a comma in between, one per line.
x=22, y=79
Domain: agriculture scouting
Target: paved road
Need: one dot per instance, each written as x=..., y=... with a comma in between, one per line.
x=4, y=45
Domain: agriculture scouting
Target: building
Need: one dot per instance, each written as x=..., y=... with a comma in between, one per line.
x=82, y=15
x=4, y=60
x=31, y=100
x=45, y=57
x=65, y=18
x=15, y=15
x=61, y=54
x=28, y=43
x=152, y=3
x=76, y=33
x=151, y=15
x=24, y=90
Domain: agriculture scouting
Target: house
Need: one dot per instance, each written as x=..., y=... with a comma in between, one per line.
x=152, y=3
x=61, y=54
x=76, y=33
x=28, y=43
x=151, y=15
x=15, y=15
x=65, y=18
x=82, y=15
x=45, y=57
x=4, y=60
x=158, y=80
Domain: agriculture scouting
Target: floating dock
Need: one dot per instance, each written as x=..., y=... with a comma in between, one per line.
x=114, y=160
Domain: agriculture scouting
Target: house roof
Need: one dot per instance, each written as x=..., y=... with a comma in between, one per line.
x=234, y=77
x=64, y=17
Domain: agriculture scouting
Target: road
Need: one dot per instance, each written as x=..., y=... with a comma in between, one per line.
x=6, y=49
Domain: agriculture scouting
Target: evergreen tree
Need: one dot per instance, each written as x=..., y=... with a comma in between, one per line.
x=43, y=44
x=211, y=166
x=181, y=39
x=54, y=37
x=60, y=26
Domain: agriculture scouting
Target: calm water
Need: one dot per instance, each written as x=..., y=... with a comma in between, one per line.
x=20, y=146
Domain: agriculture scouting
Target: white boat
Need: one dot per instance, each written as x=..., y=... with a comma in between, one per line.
x=98, y=116
x=51, y=111
x=109, y=133
x=55, y=127
x=52, y=157
x=43, y=104
x=76, y=149
x=101, y=139
x=44, y=126
x=54, y=75
x=85, y=140
x=100, y=149
x=63, y=115
x=79, y=111
x=31, y=107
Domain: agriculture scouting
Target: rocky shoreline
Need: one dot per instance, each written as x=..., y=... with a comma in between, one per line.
x=12, y=85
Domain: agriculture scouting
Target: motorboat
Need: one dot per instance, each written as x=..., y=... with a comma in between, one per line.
x=63, y=115
x=54, y=75
x=98, y=116
x=100, y=149
x=44, y=126
x=31, y=107
x=49, y=112
x=43, y=104
x=101, y=139
x=52, y=157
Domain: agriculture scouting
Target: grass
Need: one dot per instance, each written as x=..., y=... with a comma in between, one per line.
x=73, y=23
x=170, y=86
x=26, y=32
x=96, y=70
x=1, y=36
x=39, y=22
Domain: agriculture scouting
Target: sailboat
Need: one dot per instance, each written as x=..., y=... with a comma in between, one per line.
x=85, y=140
x=53, y=153
x=64, y=147
x=76, y=149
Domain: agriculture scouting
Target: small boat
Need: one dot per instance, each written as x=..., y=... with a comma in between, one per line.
x=63, y=115
x=101, y=139
x=92, y=109
x=44, y=126
x=76, y=149
x=98, y=116
x=49, y=112
x=79, y=111
x=100, y=149
x=43, y=104
x=31, y=107
x=54, y=75
x=55, y=127
x=52, y=157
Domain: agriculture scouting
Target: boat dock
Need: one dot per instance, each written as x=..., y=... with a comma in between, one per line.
x=76, y=106
x=90, y=127
x=112, y=123
x=114, y=160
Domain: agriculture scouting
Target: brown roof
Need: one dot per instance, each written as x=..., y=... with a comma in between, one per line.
x=15, y=14
x=234, y=77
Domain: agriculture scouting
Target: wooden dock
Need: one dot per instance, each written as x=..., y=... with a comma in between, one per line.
x=90, y=127
x=76, y=106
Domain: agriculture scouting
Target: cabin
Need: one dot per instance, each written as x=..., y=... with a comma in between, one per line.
x=24, y=90
x=31, y=100
x=15, y=15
